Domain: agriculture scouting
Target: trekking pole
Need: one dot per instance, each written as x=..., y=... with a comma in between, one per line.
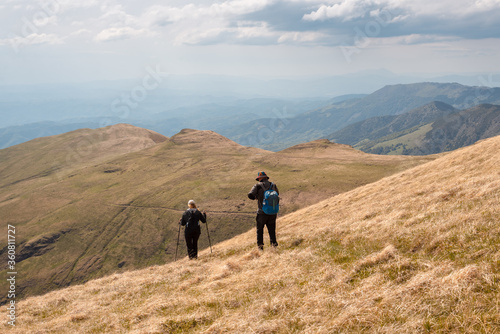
x=177, y=247
x=208, y=233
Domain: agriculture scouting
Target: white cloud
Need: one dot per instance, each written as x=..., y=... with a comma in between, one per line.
x=412, y=39
x=250, y=29
x=301, y=37
x=347, y=9
x=116, y=15
x=44, y=20
x=449, y=8
x=191, y=23
x=351, y=9
x=32, y=39
x=65, y=5
x=162, y=15
x=209, y=24
x=44, y=39
x=199, y=36
x=259, y=21
x=78, y=23
x=114, y=34
x=81, y=32
x=487, y=4
x=232, y=8
x=243, y=32
x=248, y=32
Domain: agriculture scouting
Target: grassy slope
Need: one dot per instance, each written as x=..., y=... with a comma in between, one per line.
x=455, y=130
x=119, y=212
x=395, y=143
x=383, y=126
x=415, y=252
x=47, y=160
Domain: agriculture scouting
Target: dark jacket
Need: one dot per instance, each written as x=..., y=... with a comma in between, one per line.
x=191, y=219
x=257, y=193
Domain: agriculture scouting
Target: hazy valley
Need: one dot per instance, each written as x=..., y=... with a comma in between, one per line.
x=363, y=120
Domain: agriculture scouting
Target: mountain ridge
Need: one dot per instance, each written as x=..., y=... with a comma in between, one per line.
x=388, y=101
x=76, y=148
x=275, y=124
x=381, y=126
x=452, y=131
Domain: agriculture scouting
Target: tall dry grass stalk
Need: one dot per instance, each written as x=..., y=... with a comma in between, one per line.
x=417, y=252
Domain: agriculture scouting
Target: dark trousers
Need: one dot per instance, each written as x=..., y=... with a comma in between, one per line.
x=192, y=236
x=269, y=221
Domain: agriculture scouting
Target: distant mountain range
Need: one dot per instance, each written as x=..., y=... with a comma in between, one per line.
x=434, y=128
x=276, y=134
x=219, y=115
x=275, y=124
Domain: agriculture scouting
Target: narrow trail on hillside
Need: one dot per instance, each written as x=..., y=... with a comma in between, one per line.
x=177, y=210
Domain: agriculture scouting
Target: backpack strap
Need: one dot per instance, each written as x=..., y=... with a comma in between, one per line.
x=263, y=188
x=190, y=216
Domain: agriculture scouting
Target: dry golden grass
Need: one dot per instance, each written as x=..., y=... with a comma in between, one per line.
x=119, y=211
x=416, y=252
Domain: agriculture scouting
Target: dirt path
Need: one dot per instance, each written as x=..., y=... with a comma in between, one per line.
x=179, y=211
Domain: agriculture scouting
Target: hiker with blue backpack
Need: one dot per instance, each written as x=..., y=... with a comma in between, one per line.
x=267, y=196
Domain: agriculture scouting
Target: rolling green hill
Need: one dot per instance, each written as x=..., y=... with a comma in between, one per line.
x=415, y=252
x=93, y=202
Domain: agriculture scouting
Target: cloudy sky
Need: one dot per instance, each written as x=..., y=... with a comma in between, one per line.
x=83, y=40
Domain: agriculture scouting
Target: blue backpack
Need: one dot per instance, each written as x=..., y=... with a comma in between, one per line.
x=271, y=201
